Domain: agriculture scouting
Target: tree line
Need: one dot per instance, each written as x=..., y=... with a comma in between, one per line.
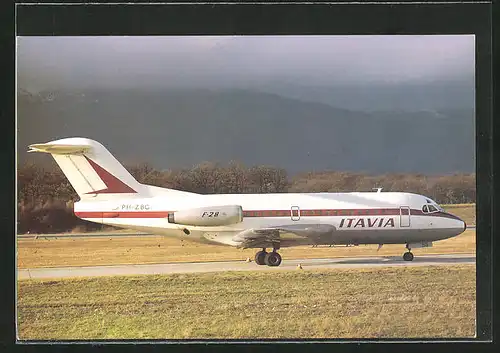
x=46, y=198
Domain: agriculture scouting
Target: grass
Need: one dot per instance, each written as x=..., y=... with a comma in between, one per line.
x=58, y=252
x=436, y=301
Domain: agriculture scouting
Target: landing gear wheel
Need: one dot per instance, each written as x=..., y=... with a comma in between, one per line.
x=260, y=257
x=272, y=259
x=408, y=256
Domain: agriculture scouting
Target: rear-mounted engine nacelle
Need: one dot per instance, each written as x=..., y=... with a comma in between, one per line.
x=208, y=216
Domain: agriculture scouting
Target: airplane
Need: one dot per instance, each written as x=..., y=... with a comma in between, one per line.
x=110, y=195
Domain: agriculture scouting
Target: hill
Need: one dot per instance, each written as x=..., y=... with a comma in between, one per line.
x=180, y=128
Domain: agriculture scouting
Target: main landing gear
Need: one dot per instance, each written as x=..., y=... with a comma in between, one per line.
x=268, y=258
x=408, y=256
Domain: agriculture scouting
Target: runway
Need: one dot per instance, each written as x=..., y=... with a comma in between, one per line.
x=198, y=267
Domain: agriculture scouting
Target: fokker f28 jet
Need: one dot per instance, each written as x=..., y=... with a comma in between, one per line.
x=110, y=195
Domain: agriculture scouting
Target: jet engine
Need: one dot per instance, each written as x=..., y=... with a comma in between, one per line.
x=208, y=216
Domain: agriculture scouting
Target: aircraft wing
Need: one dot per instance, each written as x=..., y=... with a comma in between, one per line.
x=267, y=237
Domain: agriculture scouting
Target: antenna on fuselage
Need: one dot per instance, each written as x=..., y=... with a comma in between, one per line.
x=378, y=189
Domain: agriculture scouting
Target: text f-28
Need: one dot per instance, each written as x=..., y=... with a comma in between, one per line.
x=210, y=214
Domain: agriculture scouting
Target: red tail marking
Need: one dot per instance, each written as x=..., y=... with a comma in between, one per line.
x=113, y=184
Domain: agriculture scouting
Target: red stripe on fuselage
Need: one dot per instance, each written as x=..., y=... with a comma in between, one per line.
x=131, y=214
x=271, y=213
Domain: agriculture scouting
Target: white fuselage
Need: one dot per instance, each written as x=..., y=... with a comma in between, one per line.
x=358, y=217
x=111, y=195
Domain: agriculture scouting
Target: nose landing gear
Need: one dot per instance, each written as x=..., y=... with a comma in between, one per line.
x=268, y=258
x=408, y=256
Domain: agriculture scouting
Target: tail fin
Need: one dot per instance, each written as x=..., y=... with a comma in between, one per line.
x=91, y=169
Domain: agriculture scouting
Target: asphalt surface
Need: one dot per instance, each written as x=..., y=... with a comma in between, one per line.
x=306, y=264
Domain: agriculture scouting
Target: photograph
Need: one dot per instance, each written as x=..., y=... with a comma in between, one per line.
x=246, y=187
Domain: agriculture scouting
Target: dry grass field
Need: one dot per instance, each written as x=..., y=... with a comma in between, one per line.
x=392, y=302
x=426, y=302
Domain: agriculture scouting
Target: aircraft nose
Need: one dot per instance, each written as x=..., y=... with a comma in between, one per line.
x=465, y=225
x=462, y=224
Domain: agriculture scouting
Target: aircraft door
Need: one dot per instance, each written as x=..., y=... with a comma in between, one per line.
x=295, y=213
x=404, y=216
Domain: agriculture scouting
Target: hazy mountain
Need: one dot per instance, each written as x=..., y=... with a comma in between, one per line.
x=410, y=96
x=174, y=129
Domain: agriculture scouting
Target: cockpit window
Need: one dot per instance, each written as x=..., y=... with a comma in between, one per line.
x=429, y=209
x=432, y=209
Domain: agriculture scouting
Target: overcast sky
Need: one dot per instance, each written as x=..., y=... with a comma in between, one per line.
x=47, y=62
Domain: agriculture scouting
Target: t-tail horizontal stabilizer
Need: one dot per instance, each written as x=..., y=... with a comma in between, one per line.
x=90, y=168
x=58, y=148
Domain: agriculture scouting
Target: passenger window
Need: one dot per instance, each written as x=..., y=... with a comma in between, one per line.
x=425, y=209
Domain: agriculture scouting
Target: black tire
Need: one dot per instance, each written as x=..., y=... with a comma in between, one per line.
x=260, y=258
x=273, y=259
x=408, y=256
